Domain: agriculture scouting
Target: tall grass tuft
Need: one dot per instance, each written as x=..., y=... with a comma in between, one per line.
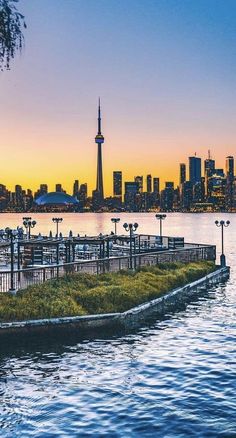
x=82, y=294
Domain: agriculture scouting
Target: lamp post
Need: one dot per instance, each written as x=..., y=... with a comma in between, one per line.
x=161, y=217
x=222, y=224
x=130, y=228
x=115, y=221
x=28, y=224
x=11, y=235
x=57, y=220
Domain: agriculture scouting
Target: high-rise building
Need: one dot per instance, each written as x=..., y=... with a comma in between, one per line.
x=149, y=183
x=195, y=173
x=230, y=167
x=229, y=182
x=18, y=196
x=83, y=194
x=99, y=140
x=209, y=169
x=209, y=165
x=182, y=173
x=139, y=181
x=217, y=186
x=199, y=191
x=117, y=183
x=187, y=195
x=167, y=197
x=131, y=195
x=156, y=186
x=76, y=188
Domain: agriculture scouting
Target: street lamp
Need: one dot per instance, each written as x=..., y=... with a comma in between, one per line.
x=28, y=224
x=57, y=220
x=161, y=217
x=11, y=235
x=131, y=228
x=222, y=224
x=115, y=221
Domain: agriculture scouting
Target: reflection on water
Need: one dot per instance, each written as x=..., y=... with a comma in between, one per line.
x=172, y=378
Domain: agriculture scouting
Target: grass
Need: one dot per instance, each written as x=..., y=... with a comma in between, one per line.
x=83, y=294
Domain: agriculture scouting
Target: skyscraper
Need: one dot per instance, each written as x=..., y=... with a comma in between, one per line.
x=117, y=183
x=99, y=140
x=209, y=169
x=229, y=182
x=195, y=173
x=182, y=173
x=149, y=183
x=132, y=195
x=230, y=167
x=156, y=186
x=76, y=188
x=209, y=165
x=139, y=181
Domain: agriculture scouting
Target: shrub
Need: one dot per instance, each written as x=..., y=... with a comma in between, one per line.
x=80, y=294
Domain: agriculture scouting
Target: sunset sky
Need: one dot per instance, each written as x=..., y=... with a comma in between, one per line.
x=166, y=74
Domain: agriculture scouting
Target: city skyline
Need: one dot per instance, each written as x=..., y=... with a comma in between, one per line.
x=165, y=79
x=69, y=187
x=202, y=186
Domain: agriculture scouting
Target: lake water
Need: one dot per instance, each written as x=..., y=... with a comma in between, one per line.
x=171, y=378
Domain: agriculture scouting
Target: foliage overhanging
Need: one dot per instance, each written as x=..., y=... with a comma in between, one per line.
x=12, y=23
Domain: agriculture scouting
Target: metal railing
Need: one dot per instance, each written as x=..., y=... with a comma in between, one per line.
x=37, y=275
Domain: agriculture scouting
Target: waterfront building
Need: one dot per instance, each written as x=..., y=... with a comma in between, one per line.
x=132, y=196
x=229, y=182
x=57, y=201
x=149, y=183
x=209, y=169
x=156, y=192
x=199, y=191
x=217, y=190
x=167, y=197
x=182, y=173
x=139, y=181
x=83, y=195
x=156, y=186
x=187, y=195
x=76, y=188
x=195, y=173
x=117, y=183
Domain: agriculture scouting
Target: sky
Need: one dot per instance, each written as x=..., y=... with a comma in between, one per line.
x=166, y=74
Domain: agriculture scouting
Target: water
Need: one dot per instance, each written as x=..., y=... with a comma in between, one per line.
x=171, y=378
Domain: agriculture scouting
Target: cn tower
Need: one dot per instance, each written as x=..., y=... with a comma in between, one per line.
x=99, y=139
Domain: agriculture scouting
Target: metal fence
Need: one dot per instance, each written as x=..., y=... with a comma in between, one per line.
x=37, y=275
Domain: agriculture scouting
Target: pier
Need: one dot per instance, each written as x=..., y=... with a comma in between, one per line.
x=26, y=261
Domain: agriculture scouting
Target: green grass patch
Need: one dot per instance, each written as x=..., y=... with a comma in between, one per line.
x=83, y=294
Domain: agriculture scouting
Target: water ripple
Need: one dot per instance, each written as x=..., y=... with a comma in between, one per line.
x=172, y=378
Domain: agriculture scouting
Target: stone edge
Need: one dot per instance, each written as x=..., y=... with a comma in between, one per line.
x=128, y=319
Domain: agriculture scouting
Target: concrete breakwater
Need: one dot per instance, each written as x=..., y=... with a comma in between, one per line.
x=126, y=320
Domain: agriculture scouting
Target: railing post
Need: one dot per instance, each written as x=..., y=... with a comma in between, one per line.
x=18, y=262
x=57, y=260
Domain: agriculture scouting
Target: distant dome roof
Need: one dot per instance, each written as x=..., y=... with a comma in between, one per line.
x=56, y=198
